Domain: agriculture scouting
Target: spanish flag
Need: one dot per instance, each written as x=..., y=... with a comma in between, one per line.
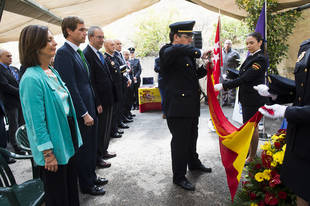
x=234, y=142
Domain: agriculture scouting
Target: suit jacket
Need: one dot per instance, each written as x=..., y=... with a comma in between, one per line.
x=2, y=111
x=252, y=73
x=113, y=64
x=101, y=79
x=8, y=89
x=298, y=115
x=46, y=121
x=180, y=75
x=136, y=68
x=73, y=72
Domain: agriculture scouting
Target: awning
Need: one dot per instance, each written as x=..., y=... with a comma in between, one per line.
x=19, y=13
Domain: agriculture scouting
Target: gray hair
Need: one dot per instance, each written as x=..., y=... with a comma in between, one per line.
x=91, y=31
x=2, y=51
x=228, y=41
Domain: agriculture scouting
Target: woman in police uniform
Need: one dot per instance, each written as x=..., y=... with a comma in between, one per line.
x=296, y=165
x=252, y=72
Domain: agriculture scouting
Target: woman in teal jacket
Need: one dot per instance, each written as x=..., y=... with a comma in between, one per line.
x=50, y=117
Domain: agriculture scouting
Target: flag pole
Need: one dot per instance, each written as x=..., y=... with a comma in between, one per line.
x=265, y=53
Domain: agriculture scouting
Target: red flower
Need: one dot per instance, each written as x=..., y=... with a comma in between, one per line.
x=266, y=160
x=270, y=199
x=277, y=145
x=258, y=166
x=281, y=131
x=252, y=196
x=261, y=203
x=275, y=181
x=282, y=195
x=273, y=173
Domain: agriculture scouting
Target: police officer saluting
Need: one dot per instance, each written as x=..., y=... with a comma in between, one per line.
x=182, y=100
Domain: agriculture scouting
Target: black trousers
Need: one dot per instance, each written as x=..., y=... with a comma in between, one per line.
x=115, y=117
x=12, y=115
x=61, y=187
x=104, y=130
x=136, y=93
x=183, y=145
x=3, y=134
x=87, y=155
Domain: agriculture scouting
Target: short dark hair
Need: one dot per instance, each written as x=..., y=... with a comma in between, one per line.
x=256, y=35
x=32, y=38
x=70, y=22
x=171, y=35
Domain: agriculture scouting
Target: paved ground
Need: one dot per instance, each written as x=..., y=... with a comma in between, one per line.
x=141, y=173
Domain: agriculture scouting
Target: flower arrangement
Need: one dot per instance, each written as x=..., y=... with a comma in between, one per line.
x=262, y=185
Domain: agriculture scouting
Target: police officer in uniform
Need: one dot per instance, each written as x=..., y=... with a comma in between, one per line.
x=296, y=165
x=182, y=100
x=252, y=72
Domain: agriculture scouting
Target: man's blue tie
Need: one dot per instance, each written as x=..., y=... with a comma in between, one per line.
x=101, y=57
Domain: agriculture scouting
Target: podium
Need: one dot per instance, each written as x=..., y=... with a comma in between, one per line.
x=149, y=98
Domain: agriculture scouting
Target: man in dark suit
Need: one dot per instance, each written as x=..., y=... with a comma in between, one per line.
x=136, y=70
x=9, y=93
x=114, y=68
x=182, y=99
x=102, y=84
x=73, y=68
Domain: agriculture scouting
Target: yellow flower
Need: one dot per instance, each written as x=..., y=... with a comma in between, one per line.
x=284, y=148
x=254, y=204
x=269, y=153
x=274, y=163
x=259, y=177
x=278, y=157
x=266, y=146
x=267, y=174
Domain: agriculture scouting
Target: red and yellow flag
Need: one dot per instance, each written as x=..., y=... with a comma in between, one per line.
x=217, y=58
x=234, y=142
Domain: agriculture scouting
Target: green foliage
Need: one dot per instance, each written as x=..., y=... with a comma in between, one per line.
x=232, y=29
x=279, y=26
x=153, y=33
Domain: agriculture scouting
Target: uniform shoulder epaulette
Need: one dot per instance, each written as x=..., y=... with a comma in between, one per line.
x=256, y=66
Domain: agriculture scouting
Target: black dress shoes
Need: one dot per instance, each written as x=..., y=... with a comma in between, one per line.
x=103, y=164
x=100, y=181
x=126, y=120
x=116, y=135
x=201, y=168
x=95, y=190
x=123, y=126
x=109, y=155
x=185, y=184
x=120, y=131
x=19, y=151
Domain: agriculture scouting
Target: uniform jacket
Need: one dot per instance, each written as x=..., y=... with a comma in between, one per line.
x=252, y=73
x=113, y=64
x=136, y=68
x=46, y=121
x=8, y=89
x=2, y=111
x=298, y=115
x=182, y=90
x=73, y=72
x=101, y=79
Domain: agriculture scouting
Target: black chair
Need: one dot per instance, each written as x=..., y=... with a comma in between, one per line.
x=28, y=193
x=23, y=143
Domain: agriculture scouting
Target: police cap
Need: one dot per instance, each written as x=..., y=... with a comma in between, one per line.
x=131, y=50
x=182, y=27
x=280, y=85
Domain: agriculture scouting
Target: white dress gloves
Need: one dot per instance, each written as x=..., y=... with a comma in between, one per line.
x=218, y=87
x=263, y=90
x=275, y=111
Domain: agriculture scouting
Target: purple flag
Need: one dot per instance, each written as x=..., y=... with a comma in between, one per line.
x=260, y=25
